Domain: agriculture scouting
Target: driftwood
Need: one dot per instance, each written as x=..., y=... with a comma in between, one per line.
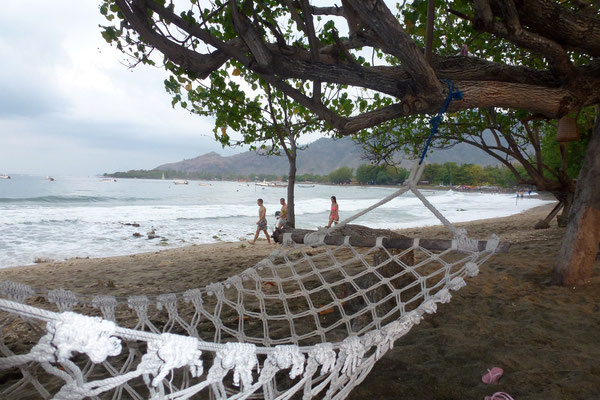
x=361, y=236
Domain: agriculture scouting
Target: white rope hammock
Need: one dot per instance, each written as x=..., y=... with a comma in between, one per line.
x=311, y=319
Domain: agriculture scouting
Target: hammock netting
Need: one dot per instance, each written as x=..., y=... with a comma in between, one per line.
x=309, y=321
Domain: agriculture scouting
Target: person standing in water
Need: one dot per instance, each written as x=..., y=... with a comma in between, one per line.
x=261, y=225
x=334, y=216
x=283, y=216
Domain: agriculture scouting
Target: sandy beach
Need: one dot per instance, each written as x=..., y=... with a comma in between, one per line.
x=544, y=337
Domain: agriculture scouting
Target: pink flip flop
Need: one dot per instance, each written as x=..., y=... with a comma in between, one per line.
x=499, y=396
x=492, y=375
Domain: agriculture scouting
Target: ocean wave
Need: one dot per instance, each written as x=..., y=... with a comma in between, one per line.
x=67, y=199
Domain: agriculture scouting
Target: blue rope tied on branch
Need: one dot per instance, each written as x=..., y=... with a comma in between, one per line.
x=453, y=94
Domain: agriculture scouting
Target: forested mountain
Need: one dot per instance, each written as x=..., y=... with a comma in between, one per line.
x=321, y=157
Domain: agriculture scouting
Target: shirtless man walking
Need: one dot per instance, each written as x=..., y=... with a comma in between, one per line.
x=261, y=225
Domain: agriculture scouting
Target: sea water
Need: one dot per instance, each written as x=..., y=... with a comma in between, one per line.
x=88, y=217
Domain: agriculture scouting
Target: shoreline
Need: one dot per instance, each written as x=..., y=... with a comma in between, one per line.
x=176, y=257
x=509, y=316
x=422, y=186
x=45, y=260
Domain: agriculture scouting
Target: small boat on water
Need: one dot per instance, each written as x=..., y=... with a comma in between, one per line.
x=204, y=184
x=4, y=176
x=49, y=178
x=180, y=182
x=306, y=186
x=108, y=180
x=265, y=183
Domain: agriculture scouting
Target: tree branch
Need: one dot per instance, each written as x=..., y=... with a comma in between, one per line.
x=377, y=16
x=313, y=43
x=253, y=40
x=201, y=63
x=335, y=10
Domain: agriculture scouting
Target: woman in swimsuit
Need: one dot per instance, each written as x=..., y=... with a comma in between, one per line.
x=334, y=217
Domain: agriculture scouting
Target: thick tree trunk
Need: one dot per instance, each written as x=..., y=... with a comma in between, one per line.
x=291, y=215
x=575, y=262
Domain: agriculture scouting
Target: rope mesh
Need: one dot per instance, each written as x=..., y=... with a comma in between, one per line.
x=310, y=319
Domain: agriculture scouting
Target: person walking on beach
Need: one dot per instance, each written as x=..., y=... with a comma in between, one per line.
x=283, y=216
x=261, y=225
x=334, y=216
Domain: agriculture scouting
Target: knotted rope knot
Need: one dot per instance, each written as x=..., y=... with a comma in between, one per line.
x=250, y=274
x=412, y=318
x=168, y=301
x=453, y=94
x=471, y=269
x=262, y=264
x=393, y=331
x=492, y=243
x=443, y=296
x=193, y=296
x=16, y=291
x=215, y=289
x=372, y=338
x=140, y=305
x=286, y=356
x=375, y=338
x=170, y=352
x=241, y=357
x=353, y=351
x=65, y=300
x=235, y=280
x=428, y=306
x=463, y=242
x=315, y=238
x=457, y=283
x=90, y=335
x=324, y=355
x=106, y=304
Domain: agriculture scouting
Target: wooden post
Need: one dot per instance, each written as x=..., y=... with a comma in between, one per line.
x=575, y=261
x=545, y=223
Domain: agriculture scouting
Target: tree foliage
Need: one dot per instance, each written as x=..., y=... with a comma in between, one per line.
x=447, y=174
x=535, y=55
x=380, y=175
x=341, y=175
x=526, y=145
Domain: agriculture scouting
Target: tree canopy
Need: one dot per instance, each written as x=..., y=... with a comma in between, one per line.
x=535, y=55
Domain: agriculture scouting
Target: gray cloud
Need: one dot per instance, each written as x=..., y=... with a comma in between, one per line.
x=26, y=101
x=68, y=106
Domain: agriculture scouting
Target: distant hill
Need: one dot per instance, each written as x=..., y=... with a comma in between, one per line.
x=321, y=157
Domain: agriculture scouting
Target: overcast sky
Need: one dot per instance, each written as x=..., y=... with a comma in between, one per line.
x=69, y=107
